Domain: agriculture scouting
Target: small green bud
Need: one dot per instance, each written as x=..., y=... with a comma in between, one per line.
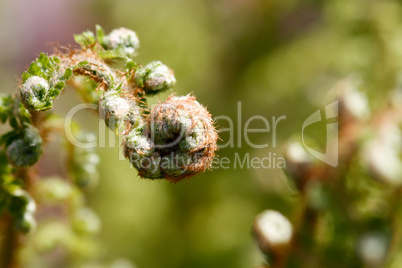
x=124, y=40
x=26, y=151
x=21, y=202
x=178, y=141
x=372, y=248
x=381, y=153
x=353, y=103
x=86, y=221
x=273, y=233
x=85, y=39
x=5, y=107
x=22, y=206
x=116, y=110
x=44, y=81
x=298, y=164
x=154, y=77
x=26, y=223
x=34, y=92
x=383, y=161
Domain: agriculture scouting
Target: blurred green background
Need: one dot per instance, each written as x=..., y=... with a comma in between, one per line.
x=275, y=57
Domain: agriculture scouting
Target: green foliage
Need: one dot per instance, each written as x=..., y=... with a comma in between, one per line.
x=23, y=144
x=277, y=58
x=85, y=39
x=73, y=234
x=22, y=207
x=13, y=199
x=6, y=103
x=155, y=77
x=43, y=82
x=118, y=44
x=116, y=110
x=122, y=105
x=352, y=208
x=11, y=109
x=25, y=148
x=44, y=66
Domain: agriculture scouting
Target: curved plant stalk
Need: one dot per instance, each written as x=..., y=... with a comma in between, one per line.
x=174, y=140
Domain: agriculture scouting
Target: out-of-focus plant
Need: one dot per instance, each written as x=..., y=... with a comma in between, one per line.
x=348, y=215
x=174, y=140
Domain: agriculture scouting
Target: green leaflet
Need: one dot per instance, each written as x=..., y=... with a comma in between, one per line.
x=118, y=44
x=37, y=94
x=85, y=39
